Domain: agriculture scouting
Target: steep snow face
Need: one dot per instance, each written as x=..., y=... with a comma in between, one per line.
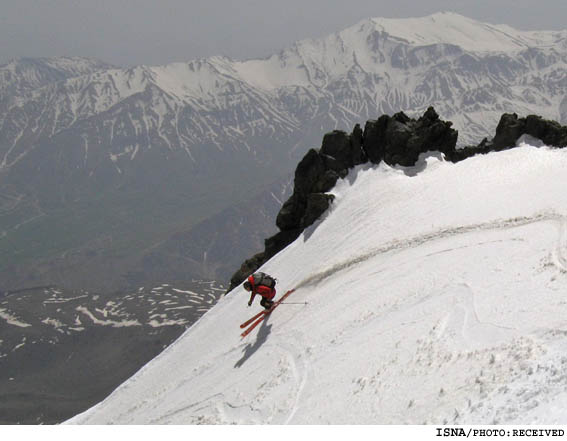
x=434, y=294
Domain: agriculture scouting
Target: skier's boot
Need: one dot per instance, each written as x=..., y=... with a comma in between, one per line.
x=266, y=303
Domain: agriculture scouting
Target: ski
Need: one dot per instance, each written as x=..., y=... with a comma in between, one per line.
x=250, y=320
x=262, y=315
x=253, y=325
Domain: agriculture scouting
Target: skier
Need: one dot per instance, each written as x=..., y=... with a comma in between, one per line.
x=263, y=284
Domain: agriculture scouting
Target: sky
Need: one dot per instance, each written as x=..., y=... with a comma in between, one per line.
x=152, y=32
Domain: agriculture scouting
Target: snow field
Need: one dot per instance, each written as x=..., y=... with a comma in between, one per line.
x=436, y=294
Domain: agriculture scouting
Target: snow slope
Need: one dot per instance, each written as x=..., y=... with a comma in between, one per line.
x=435, y=294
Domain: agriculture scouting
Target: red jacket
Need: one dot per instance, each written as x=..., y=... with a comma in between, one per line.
x=264, y=291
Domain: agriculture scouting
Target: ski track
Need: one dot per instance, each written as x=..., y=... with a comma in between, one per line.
x=289, y=380
x=558, y=255
x=399, y=245
x=301, y=369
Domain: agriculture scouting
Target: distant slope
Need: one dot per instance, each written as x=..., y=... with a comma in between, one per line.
x=63, y=351
x=22, y=75
x=435, y=295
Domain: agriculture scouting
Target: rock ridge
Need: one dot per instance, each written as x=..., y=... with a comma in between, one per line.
x=397, y=140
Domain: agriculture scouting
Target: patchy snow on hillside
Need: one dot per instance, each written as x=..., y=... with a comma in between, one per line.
x=435, y=294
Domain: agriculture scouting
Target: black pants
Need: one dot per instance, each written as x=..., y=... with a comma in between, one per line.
x=266, y=303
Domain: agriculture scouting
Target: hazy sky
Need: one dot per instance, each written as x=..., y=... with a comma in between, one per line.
x=129, y=32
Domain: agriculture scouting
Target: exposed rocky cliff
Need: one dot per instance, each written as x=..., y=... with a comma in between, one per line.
x=397, y=140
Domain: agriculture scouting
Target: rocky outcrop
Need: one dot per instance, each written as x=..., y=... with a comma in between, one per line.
x=315, y=175
x=397, y=140
x=509, y=130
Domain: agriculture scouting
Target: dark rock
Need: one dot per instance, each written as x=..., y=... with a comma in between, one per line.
x=399, y=140
x=466, y=152
x=317, y=204
x=373, y=139
x=289, y=217
x=398, y=135
x=279, y=241
x=308, y=172
x=358, y=156
x=436, y=134
x=509, y=129
x=550, y=132
x=328, y=181
x=335, y=165
x=247, y=268
x=316, y=173
x=346, y=149
x=402, y=118
x=337, y=144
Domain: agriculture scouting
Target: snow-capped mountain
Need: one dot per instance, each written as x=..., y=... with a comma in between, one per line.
x=22, y=75
x=429, y=294
x=165, y=134
x=377, y=66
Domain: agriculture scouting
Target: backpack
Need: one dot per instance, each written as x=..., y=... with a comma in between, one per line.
x=264, y=280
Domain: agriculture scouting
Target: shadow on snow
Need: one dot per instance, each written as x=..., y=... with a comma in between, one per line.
x=261, y=337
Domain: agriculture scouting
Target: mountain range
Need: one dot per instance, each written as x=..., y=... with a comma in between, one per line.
x=99, y=164
x=62, y=351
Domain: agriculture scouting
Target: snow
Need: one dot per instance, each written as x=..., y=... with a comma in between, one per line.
x=195, y=79
x=53, y=322
x=113, y=323
x=469, y=34
x=436, y=294
x=11, y=320
x=335, y=55
x=273, y=72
